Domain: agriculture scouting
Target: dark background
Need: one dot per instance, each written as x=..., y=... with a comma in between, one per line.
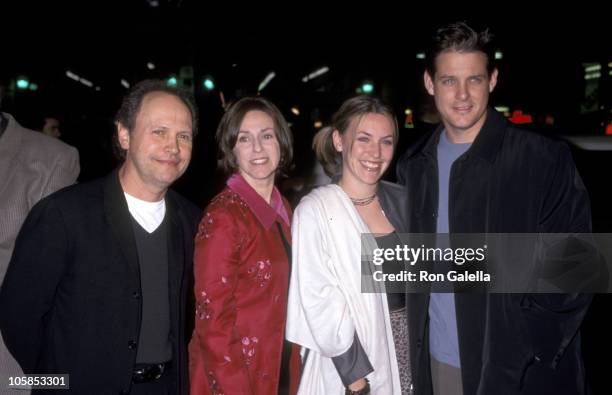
x=541, y=73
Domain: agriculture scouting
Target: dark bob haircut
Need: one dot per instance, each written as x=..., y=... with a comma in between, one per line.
x=229, y=128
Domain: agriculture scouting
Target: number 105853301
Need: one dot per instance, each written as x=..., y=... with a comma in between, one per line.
x=38, y=381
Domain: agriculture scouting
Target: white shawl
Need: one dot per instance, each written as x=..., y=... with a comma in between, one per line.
x=326, y=305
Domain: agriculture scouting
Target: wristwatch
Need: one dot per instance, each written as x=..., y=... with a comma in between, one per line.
x=364, y=391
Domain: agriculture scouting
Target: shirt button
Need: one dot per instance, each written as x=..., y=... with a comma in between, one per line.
x=131, y=344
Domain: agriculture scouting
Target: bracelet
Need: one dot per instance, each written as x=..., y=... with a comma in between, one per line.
x=364, y=391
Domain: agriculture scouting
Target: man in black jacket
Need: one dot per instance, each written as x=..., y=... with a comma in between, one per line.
x=477, y=173
x=98, y=282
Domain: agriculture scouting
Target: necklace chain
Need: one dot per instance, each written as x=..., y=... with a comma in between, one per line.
x=363, y=201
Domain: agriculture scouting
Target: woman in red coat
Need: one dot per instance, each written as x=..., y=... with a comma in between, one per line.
x=241, y=262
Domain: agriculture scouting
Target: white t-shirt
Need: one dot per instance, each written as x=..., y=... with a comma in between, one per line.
x=149, y=215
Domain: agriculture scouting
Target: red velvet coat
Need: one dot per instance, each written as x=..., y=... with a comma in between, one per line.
x=241, y=282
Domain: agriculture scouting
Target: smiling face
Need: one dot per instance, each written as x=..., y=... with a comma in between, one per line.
x=257, y=150
x=158, y=149
x=367, y=149
x=461, y=87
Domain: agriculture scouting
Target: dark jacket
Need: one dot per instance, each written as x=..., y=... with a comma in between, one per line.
x=509, y=181
x=71, y=299
x=393, y=199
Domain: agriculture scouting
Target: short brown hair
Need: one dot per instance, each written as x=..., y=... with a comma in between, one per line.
x=460, y=37
x=132, y=102
x=229, y=128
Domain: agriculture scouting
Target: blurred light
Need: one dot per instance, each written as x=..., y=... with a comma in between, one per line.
x=33, y=87
x=71, y=75
x=367, y=87
x=592, y=143
x=171, y=81
x=519, y=118
x=266, y=81
x=420, y=55
x=592, y=76
x=234, y=64
x=23, y=83
x=610, y=72
x=295, y=110
x=594, y=67
x=82, y=80
x=315, y=74
x=499, y=55
x=408, y=122
x=125, y=84
x=209, y=84
x=609, y=129
x=98, y=89
x=502, y=108
x=610, y=65
x=150, y=66
x=86, y=82
x=153, y=3
x=318, y=124
x=549, y=120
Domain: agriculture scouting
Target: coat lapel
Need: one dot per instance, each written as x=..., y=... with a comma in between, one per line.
x=176, y=255
x=10, y=145
x=118, y=216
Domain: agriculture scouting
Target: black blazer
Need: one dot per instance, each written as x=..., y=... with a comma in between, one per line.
x=71, y=299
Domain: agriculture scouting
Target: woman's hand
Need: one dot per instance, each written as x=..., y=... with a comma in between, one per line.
x=358, y=385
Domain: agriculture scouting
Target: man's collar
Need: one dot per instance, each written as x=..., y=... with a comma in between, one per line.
x=3, y=123
x=11, y=137
x=265, y=213
x=487, y=142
